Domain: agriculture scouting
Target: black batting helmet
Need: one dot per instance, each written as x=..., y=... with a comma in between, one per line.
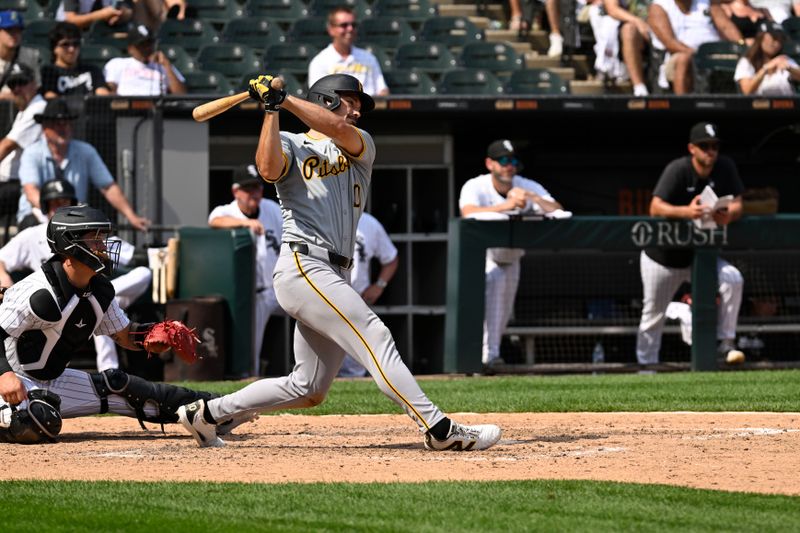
x=67, y=235
x=326, y=92
x=57, y=189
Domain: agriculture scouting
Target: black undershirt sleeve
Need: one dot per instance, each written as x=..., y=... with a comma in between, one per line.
x=4, y=365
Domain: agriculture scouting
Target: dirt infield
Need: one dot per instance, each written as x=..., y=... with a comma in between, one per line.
x=754, y=452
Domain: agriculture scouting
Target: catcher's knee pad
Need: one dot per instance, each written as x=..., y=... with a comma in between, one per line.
x=40, y=422
x=140, y=393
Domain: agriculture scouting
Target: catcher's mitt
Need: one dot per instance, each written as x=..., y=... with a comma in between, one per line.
x=172, y=334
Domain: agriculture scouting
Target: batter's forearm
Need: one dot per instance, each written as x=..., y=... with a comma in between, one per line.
x=269, y=153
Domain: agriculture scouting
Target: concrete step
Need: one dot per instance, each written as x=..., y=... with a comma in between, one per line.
x=537, y=38
x=566, y=73
x=587, y=87
x=579, y=62
x=482, y=23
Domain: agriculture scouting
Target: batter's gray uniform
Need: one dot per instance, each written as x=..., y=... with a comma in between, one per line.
x=322, y=192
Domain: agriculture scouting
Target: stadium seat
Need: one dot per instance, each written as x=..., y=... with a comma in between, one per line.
x=36, y=32
x=99, y=54
x=412, y=10
x=312, y=30
x=231, y=60
x=409, y=81
x=500, y=58
x=283, y=11
x=384, y=58
x=179, y=58
x=792, y=27
x=45, y=55
x=321, y=8
x=387, y=32
x=102, y=33
x=292, y=57
x=715, y=63
x=536, y=81
x=433, y=58
x=217, y=12
x=469, y=81
x=792, y=49
x=255, y=32
x=192, y=35
x=30, y=9
x=293, y=85
x=452, y=31
x=202, y=82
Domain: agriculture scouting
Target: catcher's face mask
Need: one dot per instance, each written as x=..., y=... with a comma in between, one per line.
x=97, y=250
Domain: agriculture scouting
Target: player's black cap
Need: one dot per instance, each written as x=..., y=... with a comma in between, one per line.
x=246, y=176
x=703, y=131
x=500, y=148
x=328, y=89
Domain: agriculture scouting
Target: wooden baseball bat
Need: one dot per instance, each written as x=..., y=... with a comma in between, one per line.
x=213, y=108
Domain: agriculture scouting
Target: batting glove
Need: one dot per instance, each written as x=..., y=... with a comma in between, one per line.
x=261, y=90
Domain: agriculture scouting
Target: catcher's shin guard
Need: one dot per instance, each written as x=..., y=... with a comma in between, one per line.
x=139, y=393
x=40, y=422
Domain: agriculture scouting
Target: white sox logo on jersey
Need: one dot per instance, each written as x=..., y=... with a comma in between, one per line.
x=676, y=233
x=312, y=165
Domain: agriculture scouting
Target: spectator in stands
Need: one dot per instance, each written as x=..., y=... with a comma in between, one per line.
x=779, y=10
x=493, y=196
x=745, y=17
x=152, y=13
x=553, y=12
x=679, y=28
x=341, y=57
x=84, y=13
x=56, y=155
x=67, y=76
x=516, y=20
x=12, y=52
x=372, y=241
x=249, y=209
x=763, y=70
x=29, y=249
x=677, y=195
x=148, y=72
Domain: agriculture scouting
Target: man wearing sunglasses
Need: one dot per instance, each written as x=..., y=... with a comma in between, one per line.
x=493, y=196
x=68, y=75
x=677, y=195
x=341, y=57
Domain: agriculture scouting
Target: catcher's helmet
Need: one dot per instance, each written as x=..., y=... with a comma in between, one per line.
x=70, y=230
x=326, y=91
x=57, y=189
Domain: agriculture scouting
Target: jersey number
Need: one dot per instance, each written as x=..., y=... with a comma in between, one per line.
x=357, y=195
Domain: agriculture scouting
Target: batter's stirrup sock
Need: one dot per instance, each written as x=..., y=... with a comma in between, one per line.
x=441, y=429
x=207, y=416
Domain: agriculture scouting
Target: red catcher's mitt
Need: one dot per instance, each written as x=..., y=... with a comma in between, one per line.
x=175, y=335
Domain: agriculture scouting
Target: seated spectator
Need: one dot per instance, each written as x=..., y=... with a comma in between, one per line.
x=620, y=34
x=147, y=72
x=67, y=76
x=679, y=28
x=152, y=13
x=56, y=155
x=779, y=10
x=745, y=17
x=764, y=71
x=12, y=52
x=341, y=57
x=84, y=13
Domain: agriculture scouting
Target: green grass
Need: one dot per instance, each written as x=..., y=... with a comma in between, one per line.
x=489, y=506
x=685, y=391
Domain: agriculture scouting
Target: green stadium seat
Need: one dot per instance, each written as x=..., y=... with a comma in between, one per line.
x=321, y=8
x=179, y=58
x=792, y=27
x=715, y=63
x=469, y=81
x=791, y=48
x=99, y=54
x=30, y=9
x=255, y=32
x=45, y=55
x=283, y=11
x=387, y=32
x=409, y=81
x=191, y=34
x=500, y=58
x=36, y=32
x=312, y=30
x=102, y=33
x=536, y=81
x=217, y=12
x=293, y=85
x=452, y=31
x=412, y=10
x=292, y=57
x=231, y=60
x=384, y=58
x=211, y=83
x=433, y=58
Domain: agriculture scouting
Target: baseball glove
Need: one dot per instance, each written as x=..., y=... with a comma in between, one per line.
x=261, y=89
x=172, y=334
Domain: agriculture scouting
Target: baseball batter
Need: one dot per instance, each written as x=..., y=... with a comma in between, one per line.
x=29, y=250
x=44, y=317
x=501, y=191
x=250, y=209
x=322, y=178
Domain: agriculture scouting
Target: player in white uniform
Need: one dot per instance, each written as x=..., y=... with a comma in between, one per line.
x=371, y=241
x=492, y=195
x=29, y=249
x=322, y=178
x=250, y=209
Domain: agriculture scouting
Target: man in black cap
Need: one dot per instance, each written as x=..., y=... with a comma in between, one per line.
x=677, y=195
x=147, y=72
x=494, y=196
x=249, y=209
x=56, y=155
x=12, y=52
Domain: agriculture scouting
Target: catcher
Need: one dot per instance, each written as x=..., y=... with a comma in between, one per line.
x=47, y=315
